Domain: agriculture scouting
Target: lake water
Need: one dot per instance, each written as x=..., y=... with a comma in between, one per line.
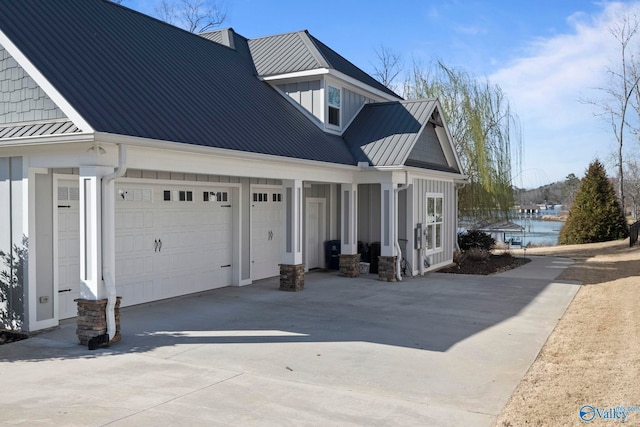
x=541, y=233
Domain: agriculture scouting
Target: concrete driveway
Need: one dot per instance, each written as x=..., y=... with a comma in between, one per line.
x=441, y=350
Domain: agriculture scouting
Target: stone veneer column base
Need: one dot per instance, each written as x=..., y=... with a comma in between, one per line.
x=350, y=265
x=291, y=277
x=92, y=319
x=387, y=268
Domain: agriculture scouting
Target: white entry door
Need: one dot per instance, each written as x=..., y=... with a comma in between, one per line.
x=266, y=232
x=314, y=228
x=67, y=208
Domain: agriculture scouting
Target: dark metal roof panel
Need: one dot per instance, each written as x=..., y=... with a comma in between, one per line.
x=384, y=134
x=339, y=63
x=126, y=73
x=37, y=129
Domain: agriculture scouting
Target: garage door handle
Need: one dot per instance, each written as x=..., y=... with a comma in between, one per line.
x=64, y=290
x=225, y=266
x=159, y=245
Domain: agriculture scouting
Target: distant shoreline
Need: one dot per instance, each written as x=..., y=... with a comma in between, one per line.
x=557, y=218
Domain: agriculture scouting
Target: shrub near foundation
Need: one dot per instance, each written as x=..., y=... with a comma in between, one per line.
x=474, y=239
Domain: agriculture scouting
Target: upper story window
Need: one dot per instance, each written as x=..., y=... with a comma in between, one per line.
x=334, y=106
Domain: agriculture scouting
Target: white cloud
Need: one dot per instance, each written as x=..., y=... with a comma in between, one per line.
x=561, y=134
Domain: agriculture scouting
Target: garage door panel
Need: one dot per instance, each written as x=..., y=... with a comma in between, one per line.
x=171, y=248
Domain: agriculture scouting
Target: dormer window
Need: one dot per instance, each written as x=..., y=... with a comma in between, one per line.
x=334, y=106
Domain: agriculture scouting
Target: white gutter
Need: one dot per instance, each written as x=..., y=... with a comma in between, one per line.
x=108, y=235
x=396, y=243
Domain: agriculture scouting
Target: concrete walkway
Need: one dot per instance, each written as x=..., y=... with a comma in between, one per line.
x=440, y=350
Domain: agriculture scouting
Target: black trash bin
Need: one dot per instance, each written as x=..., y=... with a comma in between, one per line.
x=332, y=254
x=374, y=253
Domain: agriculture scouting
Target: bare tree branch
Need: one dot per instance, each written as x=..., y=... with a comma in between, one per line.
x=195, y=16
x=622, y=94
x=390, y=65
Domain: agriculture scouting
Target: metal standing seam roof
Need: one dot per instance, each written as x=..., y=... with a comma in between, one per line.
x=300, y=51
x=285, y=53
x=129, y=74
x=37, y=129
x=383, y=134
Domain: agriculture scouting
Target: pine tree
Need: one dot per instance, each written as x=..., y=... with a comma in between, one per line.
x=596, y=215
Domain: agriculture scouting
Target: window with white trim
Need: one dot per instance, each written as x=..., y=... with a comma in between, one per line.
x=433, y=222
x=333, y=101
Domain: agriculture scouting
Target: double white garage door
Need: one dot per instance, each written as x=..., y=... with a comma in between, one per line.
x=170, y=240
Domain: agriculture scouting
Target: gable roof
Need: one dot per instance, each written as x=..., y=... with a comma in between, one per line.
x=130, y=74
x=300, y=51
x=386, y=133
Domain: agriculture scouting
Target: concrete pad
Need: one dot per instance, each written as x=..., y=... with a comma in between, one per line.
x=442, y=349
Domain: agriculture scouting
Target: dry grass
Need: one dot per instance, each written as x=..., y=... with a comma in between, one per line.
x=592, y=356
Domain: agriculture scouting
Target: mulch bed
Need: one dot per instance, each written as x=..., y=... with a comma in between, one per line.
x=7, y=337
x=494, y=264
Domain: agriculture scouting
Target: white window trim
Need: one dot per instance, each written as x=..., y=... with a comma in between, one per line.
x=427, y=224
x=327, y=105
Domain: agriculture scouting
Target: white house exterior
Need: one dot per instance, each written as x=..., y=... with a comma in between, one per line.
x=142, y=161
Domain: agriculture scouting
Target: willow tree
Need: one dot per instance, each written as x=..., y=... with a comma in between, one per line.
x=486, y=136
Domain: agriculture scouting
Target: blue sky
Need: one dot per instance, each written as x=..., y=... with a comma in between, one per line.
x=546, y=55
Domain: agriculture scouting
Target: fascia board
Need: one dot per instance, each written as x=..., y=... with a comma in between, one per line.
x=64, y=138
x=46, y=86
x=297, y=74
x=247, y=161
x=434, y=174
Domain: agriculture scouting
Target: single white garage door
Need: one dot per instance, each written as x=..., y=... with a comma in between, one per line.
x=266, y=231
x=171, y=240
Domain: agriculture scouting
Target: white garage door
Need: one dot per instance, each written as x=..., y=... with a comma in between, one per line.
x=266, y=232
x=171, y=240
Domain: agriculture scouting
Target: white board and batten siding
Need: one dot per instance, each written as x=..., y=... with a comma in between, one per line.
x=308, y=95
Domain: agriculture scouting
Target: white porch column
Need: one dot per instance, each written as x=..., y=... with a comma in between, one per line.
x=292, y=269
x=91, y=281
x=388, y=221
x=292, y=222
x=388, y=233
x=349, y=219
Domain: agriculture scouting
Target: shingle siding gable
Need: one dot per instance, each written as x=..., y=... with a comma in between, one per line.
x=21, y=99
